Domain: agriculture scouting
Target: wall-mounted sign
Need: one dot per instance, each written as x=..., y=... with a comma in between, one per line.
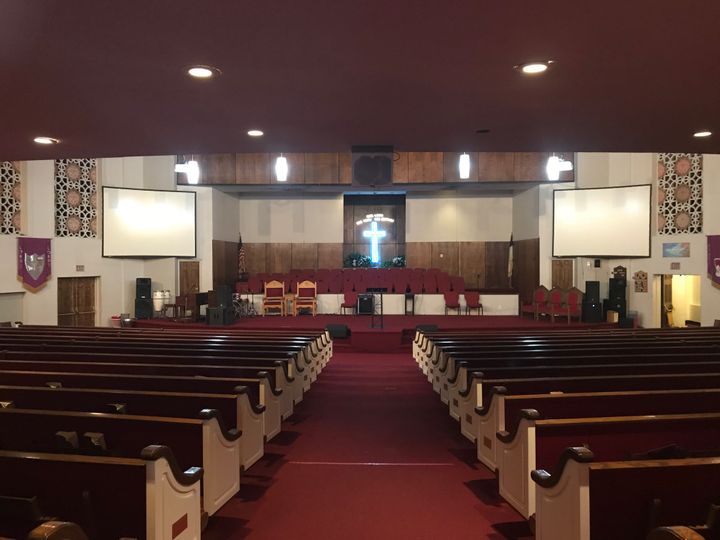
x=641, y=281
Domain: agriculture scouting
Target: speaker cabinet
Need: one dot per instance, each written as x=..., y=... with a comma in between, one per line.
x=618, y=287
x=592, y=312
x=338, y=331
x=365, y=304
x=143, y=308
x=142, y=287
x=219, y=316
x=223, y=296
x=619, y=306
x=592, y=292
x=372, y=165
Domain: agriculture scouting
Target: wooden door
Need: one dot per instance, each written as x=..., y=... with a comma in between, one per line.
x=562, y=273
x=189, y=277
x=76, y=301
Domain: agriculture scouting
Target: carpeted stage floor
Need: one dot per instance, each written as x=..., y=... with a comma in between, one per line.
x=371, y=453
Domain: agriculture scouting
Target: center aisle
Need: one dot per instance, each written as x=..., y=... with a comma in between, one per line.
x=371, y=453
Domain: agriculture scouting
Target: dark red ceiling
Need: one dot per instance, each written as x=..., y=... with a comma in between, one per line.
x=108, y=77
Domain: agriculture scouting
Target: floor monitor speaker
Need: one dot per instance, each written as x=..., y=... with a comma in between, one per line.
x=142, y=287
x=427, y=327
x=338, y=331
x=143, y=308
x=592, y=291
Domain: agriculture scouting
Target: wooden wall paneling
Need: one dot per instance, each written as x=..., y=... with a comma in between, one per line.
x=418, y=254
x=496, y=167
x=425, y=167
x=231, y=268
x=252, y=168
x=471, y=257
x=349, y=224
x=445, y=257
x=330, y=255
x=218, y=262
x=526, y=267
x=279, y=257
x=256, y=258
x=189, y=277
x=496, y=265
x=530, y=166
x=400, y=224
x=451, y=169
x=304, y=256
x=400, y=168
x=562, y=273
x=344, y=168
x=321, y=168
x=388, y=251
x=216, y=168
x=296, y=168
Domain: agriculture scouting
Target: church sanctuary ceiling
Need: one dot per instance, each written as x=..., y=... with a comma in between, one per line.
x=109, y=78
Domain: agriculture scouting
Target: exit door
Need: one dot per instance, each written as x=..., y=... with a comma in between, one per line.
x=76, y=301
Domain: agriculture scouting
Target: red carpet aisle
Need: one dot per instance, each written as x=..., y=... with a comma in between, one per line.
x=371, y=453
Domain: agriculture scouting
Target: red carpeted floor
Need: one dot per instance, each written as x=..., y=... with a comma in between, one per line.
x=371, y=453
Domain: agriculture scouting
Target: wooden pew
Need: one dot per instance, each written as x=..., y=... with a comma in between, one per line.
x=588, y=498
x=203, y=441
x=610, y=438
x=232, y=407
x=158, y=500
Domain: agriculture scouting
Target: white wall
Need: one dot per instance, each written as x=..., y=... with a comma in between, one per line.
x=268, y=219
x=455, y=218
x=525, y=211
x=225, y=217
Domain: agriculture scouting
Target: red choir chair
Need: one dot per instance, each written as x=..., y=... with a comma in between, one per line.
x=400, y=284
x=306, y=297
x=349, y=301
x=416, y=286
x=274, y=297
x=458, y=284
x=443, y=283
x=539, y=299
x=452, y=301
x=429, y=283
x=242, y=287
x=472, y=301
x=335, y=285
x=255, y=284
x=554, y=305
x=323, y=286
x=572, y=305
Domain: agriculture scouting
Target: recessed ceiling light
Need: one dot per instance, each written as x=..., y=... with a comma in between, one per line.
x=203, y=72
x=255, y=133
x=702, y=134
x=46, y=140
x=534, y=68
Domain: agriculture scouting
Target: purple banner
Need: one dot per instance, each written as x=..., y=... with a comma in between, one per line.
x=714, y=258
x=33, y=261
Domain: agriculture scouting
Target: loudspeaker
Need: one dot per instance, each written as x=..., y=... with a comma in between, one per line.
x=223, y=296
x=338, y=331
x=142, y=287
x=219, y=316
x=143, y=308
x=365, y=304
x=372, y=165
x=627, y=322
x=618, y=287
x=592, y=312
x=619, y=306
x=592, y=292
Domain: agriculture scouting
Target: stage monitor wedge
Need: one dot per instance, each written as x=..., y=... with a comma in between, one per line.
x=141, y=223
x=602, y=222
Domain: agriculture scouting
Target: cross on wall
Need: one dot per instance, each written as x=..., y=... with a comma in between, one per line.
x=374, y=235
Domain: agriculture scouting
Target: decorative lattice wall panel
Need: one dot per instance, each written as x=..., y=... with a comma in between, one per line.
x=76, y=197
x=679, y=193
x=10, y=197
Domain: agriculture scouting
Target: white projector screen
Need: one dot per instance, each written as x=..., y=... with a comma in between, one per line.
x=603, y=222
x=148, y=223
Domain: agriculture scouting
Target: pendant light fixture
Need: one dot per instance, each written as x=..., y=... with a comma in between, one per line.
x=464, y=166
x=281, y=169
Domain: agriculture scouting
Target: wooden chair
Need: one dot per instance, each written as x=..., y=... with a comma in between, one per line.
x=539, y=299
x=274, y=297
x=306, y=297
x=452, y=301
x=472, y=301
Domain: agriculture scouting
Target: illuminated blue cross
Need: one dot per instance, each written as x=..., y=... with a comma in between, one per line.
x=374, y=235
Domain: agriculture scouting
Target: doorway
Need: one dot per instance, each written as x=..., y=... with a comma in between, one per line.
x=189, y=277
x=76, y=301
x=679, y=300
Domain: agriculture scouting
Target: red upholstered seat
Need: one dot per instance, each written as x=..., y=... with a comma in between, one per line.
x=452, y=301
x=429, y=284
x=443, y=283
x=539, y=299
x=349, y=301
x=274, y=297
x=241, y=287
x=255, y=285
x=457, y=283
x=306, y=297
x=573, y=304
x=472, y=301
x=554, y=304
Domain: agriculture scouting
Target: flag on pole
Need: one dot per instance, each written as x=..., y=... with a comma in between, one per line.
x=242, y=268
x=510, y=261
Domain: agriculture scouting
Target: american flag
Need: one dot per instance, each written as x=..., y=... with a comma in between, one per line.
x=242, y=269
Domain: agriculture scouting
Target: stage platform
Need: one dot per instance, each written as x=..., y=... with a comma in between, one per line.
x=395, y=335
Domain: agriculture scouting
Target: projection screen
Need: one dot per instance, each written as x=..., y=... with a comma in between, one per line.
x=602, y=222
x=148, y=223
